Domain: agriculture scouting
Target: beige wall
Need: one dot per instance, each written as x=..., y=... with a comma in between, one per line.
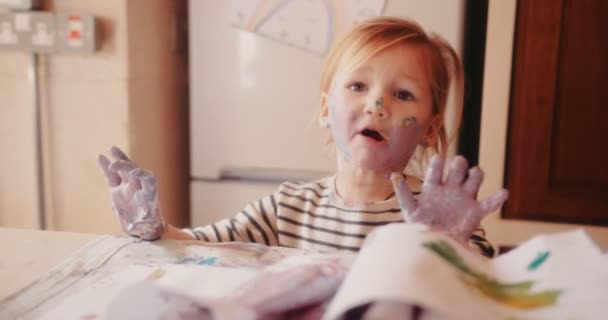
x=130, y=93
x=497, y=77
x=17, y=166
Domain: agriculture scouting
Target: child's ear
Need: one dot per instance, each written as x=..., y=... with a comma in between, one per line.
x=431, y=135
x=324, y=114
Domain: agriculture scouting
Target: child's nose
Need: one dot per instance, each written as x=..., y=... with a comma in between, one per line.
x=376, y=107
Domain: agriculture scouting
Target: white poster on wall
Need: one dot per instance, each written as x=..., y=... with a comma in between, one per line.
x=312, y=25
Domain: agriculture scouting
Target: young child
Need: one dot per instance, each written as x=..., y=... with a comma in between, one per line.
x=383, y=95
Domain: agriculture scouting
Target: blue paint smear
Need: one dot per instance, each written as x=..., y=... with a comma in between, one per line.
x=540, y=259
x=201, y=261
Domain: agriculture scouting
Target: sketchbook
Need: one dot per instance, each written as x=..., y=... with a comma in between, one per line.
x=427, y=274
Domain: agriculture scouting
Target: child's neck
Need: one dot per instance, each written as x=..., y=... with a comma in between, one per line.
x=362, y=186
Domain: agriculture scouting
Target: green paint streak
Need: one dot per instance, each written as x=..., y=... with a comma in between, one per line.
x=516, y=295
x=379, y=103
x=542, y=257
x=407, y=122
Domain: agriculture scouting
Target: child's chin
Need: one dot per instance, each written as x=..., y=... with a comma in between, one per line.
x=372, y=163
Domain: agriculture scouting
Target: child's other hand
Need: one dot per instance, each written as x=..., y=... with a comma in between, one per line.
x=450, y=204
x=134, y=198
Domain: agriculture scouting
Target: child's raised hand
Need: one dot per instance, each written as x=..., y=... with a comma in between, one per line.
x=450, y=204
x=134, y=198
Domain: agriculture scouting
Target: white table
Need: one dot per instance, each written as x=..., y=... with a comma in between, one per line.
x=27, y=254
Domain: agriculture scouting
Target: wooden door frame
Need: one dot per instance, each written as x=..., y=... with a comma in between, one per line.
x=493, y=131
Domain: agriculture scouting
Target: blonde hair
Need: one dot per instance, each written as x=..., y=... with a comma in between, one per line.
x=443, y=65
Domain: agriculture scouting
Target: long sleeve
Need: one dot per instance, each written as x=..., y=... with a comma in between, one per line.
x=479, y=243
x=312, y=216
x=255, y=223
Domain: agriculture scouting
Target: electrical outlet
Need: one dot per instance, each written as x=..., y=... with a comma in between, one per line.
x=46, y=32
x=8, y=36
x=40, y=36
x=20, y=4
x=76, y=33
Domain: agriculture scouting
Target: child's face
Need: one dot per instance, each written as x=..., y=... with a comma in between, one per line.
x=381, y=111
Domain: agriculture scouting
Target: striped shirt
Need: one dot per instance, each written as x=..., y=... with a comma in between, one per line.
x=313, y=216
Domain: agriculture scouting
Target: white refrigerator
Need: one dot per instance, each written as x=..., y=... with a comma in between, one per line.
x=255, y=68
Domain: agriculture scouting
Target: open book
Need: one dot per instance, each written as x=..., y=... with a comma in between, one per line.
x=403, y=271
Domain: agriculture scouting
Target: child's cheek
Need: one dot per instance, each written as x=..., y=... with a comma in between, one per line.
x=341, y=113
x=407, y=122
x=407, y=132
x=341, y=119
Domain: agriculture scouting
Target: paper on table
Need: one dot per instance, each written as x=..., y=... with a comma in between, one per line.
x=298, y=284
x=562, y=276
x=83, y=285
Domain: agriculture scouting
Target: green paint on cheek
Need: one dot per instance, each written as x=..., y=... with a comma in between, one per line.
x=407, y=122
x=379, y=103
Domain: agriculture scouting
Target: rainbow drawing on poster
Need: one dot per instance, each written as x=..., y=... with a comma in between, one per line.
x=312, y=25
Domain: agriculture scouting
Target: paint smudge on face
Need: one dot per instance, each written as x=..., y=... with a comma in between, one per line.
x=407, y=122
x=378, y=103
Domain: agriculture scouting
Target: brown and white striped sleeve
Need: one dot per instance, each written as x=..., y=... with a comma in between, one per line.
x=256, y=223
x=479, y=243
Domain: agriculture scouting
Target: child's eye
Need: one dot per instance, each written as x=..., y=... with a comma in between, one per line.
x=356, y=86
x=404, y=95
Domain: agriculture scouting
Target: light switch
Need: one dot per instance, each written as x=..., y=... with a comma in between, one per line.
x=76, y=33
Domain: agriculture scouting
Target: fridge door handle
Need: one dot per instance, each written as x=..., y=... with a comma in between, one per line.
x=253, y=174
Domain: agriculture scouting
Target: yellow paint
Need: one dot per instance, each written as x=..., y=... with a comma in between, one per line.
x=156, y=274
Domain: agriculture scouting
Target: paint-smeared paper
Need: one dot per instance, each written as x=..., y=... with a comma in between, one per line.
x=568, y=278
x=83, y=286
x=403, y=268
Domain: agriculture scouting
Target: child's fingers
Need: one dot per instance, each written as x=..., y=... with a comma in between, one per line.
x=123, y=166
x=121, y=207
x=142, y=174
x=118, y=154
x=112, y=177
x=473, y=182
x=148, y=183
x=458, y=171
x=494, y=202
x=435, y=172
x=132, y=186
x=403, y=194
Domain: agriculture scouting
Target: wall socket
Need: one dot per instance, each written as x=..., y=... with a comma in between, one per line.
x=8, y=35
x=38, y=31
x=45, y=32
x=19, y=4
x=76, y=33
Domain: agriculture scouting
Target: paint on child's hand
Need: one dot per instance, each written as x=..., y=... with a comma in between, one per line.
x=407, y=122
x=378, y=103
x=542, y=257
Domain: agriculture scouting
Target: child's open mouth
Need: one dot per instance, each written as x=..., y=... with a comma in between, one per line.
x=373, y=134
